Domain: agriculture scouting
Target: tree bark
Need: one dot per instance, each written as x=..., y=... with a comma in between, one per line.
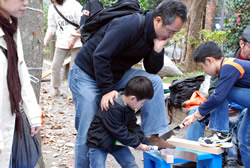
x=32, y=32
x=210, y=15
x=193, y=27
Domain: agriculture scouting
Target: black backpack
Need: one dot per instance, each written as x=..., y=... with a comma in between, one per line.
x=99, y=19
x=181, y=90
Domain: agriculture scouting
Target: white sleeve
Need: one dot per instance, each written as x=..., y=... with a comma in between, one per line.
x=30, y=104
x=78, y=13
x=52, y=25
x=2, y=79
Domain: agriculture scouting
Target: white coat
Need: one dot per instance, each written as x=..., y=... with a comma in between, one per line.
x=31, y=107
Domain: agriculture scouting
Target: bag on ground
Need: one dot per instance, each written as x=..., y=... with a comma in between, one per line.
x=181, y=90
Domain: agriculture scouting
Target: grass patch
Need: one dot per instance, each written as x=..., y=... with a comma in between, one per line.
x=186, y=75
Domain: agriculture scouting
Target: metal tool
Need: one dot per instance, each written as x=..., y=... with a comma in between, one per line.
x=180, y=154
x=170, y=133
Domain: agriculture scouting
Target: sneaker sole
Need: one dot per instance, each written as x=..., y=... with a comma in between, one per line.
x=222, y=145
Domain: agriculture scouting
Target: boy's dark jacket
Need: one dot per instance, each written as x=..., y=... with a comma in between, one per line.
x=118, y=123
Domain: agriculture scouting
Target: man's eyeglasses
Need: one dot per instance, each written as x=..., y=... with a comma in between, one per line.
x=247, y=44
x=171, y=32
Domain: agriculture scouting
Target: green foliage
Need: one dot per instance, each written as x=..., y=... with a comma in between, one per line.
x=236, y=24
x=207, y=35
x=145, y=4
x=218, y=37
x=108, y=3
x=148, y=4
x=82, y=2
x=185, y=75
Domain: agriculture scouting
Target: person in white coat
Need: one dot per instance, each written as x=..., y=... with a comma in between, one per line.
x=66, y=40
x=15, y=87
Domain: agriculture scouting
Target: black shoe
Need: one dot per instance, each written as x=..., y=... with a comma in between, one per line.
x=232, y=164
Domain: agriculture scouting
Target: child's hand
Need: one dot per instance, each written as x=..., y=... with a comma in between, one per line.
x=143, y=147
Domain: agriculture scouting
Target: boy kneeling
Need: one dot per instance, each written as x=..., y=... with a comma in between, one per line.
x=118, y=124
x=233, y=84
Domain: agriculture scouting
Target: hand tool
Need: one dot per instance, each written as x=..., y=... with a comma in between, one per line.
x=170, y=133
x=180, y=154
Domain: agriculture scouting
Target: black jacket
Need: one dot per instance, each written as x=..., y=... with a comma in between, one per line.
x=118, y=123
x=113, y=50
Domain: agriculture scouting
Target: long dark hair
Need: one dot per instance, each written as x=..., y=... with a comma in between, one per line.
x=60, y=2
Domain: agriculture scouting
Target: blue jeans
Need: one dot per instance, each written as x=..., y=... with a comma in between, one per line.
x=244, y=138
x=124, y=157
x=241, y=96
x=86, y=96
x=195, y=131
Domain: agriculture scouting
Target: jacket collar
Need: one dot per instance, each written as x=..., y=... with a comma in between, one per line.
x=119, y=100
x=17, y=39
x=149, y=26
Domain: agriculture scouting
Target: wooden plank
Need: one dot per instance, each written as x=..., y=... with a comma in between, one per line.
x=194, y=145
x=48, y=72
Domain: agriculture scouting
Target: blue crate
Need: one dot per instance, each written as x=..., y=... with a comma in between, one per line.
x=152, y=159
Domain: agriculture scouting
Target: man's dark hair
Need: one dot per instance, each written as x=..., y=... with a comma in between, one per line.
x=60, y=2
x=207, y=49
x=244, y=39
x=169, y=9
x=140, y=87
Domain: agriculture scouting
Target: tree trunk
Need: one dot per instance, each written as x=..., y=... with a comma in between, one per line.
x=193, y=27
x=222, y=16
x=32, y=32
x=210, y=15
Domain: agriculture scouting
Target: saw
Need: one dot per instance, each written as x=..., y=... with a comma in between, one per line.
x=180, y=154
x=170, y=133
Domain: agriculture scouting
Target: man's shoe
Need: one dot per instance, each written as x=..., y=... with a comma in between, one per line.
x=216, y=139
x=232, y=164
x=157, y=141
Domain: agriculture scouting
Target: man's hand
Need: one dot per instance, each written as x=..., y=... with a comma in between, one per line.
x=159, y=45
x=35, y=130
x=108, y=98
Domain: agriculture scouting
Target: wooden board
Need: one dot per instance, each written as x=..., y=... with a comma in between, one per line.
x=48, y=72
x=194, y=145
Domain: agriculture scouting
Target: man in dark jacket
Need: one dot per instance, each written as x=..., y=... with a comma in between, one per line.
x=118, y=124
x=103, y=65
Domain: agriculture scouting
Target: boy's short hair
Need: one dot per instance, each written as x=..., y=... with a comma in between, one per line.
x=140, y=87
x=207, y=49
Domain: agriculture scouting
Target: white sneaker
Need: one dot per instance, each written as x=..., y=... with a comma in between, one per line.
x=216, y=139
